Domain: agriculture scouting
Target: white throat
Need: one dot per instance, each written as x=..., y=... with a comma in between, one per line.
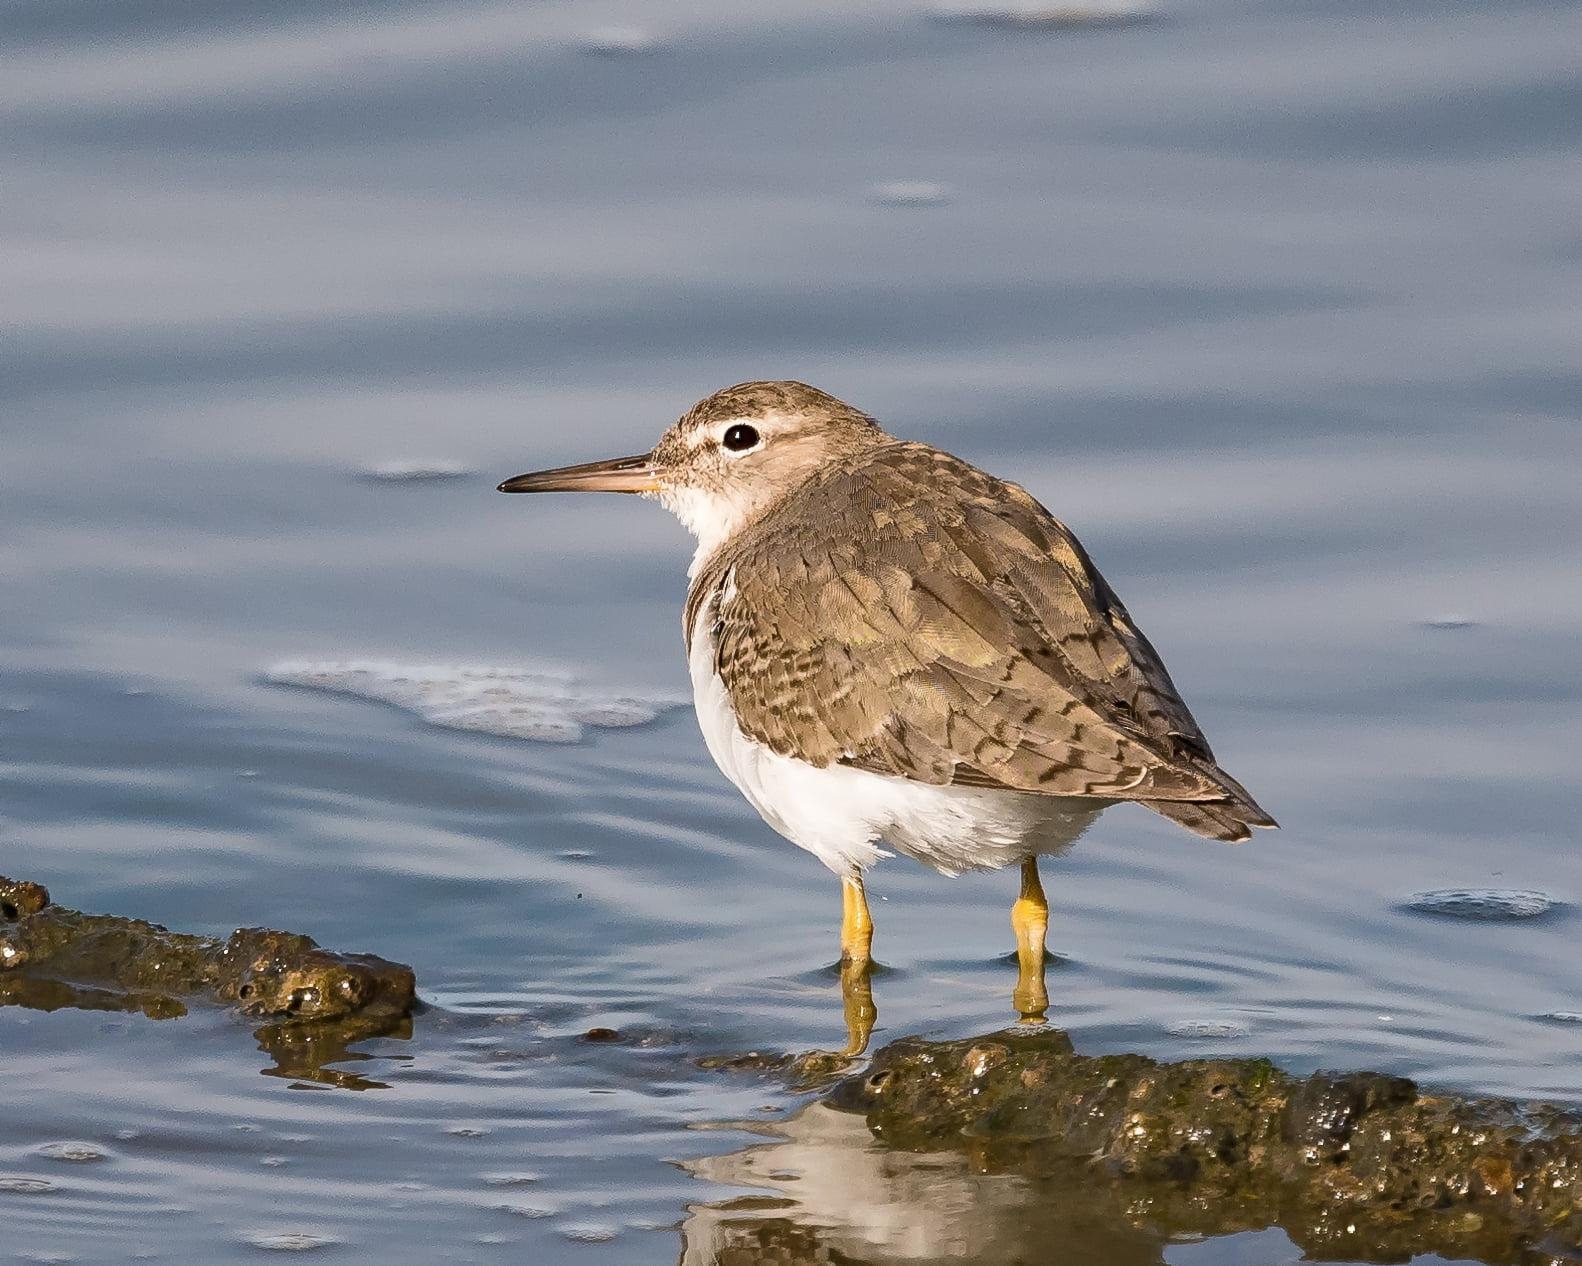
x=712, y=518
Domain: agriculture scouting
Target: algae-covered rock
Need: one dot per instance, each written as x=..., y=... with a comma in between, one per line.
x=318, y=1000
x=262, y=972
x=1357, y=1165
x=269, y=973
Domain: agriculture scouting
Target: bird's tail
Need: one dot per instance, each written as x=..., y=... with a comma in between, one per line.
x=1230, y=819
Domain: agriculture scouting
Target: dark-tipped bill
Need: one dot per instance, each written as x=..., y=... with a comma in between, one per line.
x=620, y=474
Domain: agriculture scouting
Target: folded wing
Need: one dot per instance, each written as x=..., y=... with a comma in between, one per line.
x=949, y=629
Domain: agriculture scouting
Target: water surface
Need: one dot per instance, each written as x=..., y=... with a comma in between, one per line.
x=1277, y=305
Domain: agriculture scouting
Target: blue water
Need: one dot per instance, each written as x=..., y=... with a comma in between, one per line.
x=1277, y=305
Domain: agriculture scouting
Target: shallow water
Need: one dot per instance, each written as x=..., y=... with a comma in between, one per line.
x=1277, y=305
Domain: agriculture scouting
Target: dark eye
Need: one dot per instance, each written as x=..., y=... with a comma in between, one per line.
x=740, y=437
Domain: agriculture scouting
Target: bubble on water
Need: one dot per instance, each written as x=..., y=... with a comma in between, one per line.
x=1482, y=903
x=72, y=1152
x=291, y=1241
x=1198, y=1028
x=413, y=472
x=531, y=1211
x=909, y=193
x=618, y=41
x=509, y=702
x=25, y=1186
x=523, y=1179
x=589, y=1233
x=467, y=1131
x=1035, y=16
x=274, y=1162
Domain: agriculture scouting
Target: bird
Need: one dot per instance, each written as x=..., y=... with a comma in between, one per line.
x=893, y=651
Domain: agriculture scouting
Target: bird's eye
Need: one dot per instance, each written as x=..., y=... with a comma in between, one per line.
x=740, y=438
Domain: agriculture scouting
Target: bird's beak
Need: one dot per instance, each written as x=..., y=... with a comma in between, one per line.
x=619, y=474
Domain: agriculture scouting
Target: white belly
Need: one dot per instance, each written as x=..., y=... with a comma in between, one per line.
x=841, y=814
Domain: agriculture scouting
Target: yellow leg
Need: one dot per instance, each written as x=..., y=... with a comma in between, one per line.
x=856, y=965
x=856, y=924
x=1030, y=922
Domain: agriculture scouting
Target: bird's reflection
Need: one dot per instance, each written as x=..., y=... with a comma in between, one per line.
x=1029, y=997
x=856, y=991
x=843, y=1197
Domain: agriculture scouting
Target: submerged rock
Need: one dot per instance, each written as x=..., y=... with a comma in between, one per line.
x=811, y=1070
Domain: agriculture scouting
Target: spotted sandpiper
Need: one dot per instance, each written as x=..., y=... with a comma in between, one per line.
x=889, y=646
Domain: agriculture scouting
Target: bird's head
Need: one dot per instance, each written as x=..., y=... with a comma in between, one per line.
x=729, y=458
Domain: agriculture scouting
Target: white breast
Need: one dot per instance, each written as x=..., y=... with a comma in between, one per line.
x=841, y=814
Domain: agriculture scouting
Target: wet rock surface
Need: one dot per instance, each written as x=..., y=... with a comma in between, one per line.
x=1352, y=1166
x=808, y=1070
x=315, y=1000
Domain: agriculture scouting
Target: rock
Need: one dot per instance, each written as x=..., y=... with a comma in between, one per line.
x=316, y=1000
x=1351, y=1165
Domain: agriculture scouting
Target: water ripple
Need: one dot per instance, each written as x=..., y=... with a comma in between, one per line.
x=1483, y=903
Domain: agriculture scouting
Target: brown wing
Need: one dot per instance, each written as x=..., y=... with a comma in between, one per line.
x=910, y=615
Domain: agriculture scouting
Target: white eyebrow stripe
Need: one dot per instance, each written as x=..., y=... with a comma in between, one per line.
x=706, y=434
